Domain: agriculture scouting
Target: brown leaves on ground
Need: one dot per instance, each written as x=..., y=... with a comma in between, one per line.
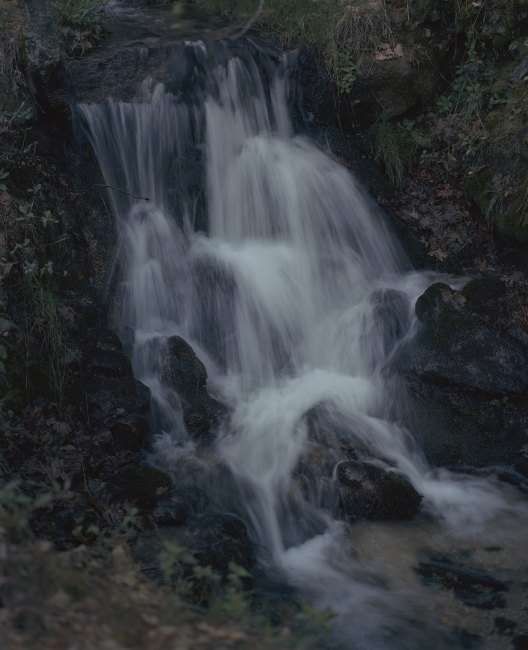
x=439, y=211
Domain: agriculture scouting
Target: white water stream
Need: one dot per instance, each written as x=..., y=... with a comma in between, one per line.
x=278, y=299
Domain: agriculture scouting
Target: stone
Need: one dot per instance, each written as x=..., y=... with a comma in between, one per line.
x=105, y=387
x=183, y=371
x=130, y=432
x=145, y=485
x=460, y=363
x=369, y=492
x=218, y=540
x=460, y=349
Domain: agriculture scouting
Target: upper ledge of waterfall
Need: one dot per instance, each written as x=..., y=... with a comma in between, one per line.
x=150, y=42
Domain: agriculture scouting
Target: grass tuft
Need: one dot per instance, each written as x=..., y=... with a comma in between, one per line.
x=393, y=147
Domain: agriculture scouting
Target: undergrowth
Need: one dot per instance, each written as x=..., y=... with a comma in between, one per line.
x=82, y=23
x=342, y=32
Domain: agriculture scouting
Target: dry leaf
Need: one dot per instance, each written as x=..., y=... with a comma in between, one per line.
x=386, y=52
x=513, y=278
x=439, y=254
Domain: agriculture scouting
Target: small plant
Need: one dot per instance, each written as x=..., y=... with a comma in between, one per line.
x=393, y=146
x=171, y=560
x=82, y=23
x=127, y=524
x=501, y=402
x=346, y=71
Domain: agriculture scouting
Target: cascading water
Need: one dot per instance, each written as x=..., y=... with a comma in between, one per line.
x=281, y=298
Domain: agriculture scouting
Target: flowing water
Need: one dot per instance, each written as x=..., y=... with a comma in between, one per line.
x=264, y=254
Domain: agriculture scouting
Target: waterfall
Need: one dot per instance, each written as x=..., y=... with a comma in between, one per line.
x=266, y=256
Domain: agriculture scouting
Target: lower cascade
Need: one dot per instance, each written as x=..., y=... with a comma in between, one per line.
x=266, y=302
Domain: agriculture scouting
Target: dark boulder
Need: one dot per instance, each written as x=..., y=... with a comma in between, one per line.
x=183, y=371
x=130, y=432
x=144, y=485
x=370, y=492
x=219, y=540
x=105, y=389
x=457, y=372
x=458, y=348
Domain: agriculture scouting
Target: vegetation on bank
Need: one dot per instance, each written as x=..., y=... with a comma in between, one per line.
x=82, y=23
x=470, y=126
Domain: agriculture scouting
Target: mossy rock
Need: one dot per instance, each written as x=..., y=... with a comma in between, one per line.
x=142, y=484
x=482, y=290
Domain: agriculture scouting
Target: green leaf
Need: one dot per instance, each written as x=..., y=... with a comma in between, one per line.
x=3, y=352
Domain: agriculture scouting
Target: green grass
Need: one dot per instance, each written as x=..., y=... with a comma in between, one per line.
x=393, y=147
x=47, y=320
x=332, y=27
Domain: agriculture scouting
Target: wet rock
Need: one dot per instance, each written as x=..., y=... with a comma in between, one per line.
x=458, y=367
x=460, y=349
x=187, y=375
x=105, y=388
x=472, y=587
x=171, y=513
x=370, y=492
x=313, y=475
x=483, y=295
x=130, y=432
x=145, y=485
x=218, y=540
